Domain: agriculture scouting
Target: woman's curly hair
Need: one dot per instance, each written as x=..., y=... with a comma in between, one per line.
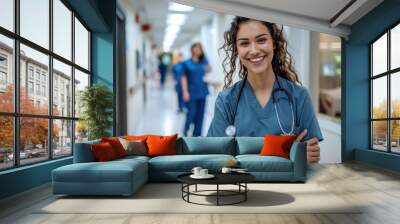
x=282, y=63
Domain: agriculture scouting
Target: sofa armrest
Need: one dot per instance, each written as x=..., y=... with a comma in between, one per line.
x=83, y=152
x=299, y=158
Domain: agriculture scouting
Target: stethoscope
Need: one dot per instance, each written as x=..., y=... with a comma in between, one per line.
x=231, y=129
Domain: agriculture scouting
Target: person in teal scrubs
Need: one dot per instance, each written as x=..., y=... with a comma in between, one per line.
x=195, y=89
x=264, y=66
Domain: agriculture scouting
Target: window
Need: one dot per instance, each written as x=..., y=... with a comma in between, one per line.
x=3, y=61
x=81, y=81
x=62, y=29
x=62, y=137
x=37, y=89
x=3, y=72
x=7, y=14
x=3, y=78
x=6, y=142
x=37, y=75
x=62, y=74
x=6, y=72
x=30, y=87
x=45, y=131
x=43, y=90
x=34, y=21
x=385, y=96
x=81, y=45
x=30, y=72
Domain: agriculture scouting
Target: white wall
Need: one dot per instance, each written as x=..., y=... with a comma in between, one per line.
x=134, y=80
x=299, y=48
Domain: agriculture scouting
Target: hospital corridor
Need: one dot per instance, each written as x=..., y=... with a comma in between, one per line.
x=154, y=46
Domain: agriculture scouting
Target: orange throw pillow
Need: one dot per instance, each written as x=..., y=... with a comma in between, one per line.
x=135, y=137
x=103, y=152
x=161, y=145
x=277, y=145
x=116, y=145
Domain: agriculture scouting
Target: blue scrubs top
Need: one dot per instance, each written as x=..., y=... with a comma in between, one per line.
x=195, y=72
x=256, y=121
x=177, y=70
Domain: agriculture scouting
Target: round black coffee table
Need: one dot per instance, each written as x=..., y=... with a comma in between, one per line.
x=238, y=179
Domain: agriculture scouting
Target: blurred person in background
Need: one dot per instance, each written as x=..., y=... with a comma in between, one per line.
x=162, y=69
x=195, y=89
x=177, y=71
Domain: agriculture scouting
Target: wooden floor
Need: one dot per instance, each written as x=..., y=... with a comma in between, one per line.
x=378, y=188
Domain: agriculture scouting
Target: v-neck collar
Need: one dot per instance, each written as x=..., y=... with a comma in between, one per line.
x=262, y=112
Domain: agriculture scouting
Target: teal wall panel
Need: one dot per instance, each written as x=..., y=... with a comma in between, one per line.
x=377, y=158
x=102, y=58
x=355, y=53
x=24, y=178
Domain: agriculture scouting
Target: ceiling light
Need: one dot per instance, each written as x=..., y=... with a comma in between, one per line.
x=172, y=29
x=179, y=7
x=176, y=19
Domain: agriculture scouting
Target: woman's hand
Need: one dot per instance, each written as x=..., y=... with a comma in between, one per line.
x=313, y=148
x=186, y=96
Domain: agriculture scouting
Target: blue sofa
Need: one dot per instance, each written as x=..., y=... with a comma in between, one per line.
x=125, y=176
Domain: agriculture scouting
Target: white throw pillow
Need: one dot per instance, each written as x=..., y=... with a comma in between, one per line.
x=137, y=147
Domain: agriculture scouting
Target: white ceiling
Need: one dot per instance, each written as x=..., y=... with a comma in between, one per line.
x=155, y=12
x=313, y=15
x=321, y=9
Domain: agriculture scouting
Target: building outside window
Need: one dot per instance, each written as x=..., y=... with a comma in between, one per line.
x=3, y=78
x=34, y=75
x=37, y=74
x=30, y=72
x=38, y=89
x=3, y=71
x=43, y=90
x=30, y=87
x=44, y=77
x=3, y=61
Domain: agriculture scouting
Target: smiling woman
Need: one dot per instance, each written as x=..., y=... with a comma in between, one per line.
x=266, y=69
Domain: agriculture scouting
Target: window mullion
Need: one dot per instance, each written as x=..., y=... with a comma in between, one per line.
x=16, y=84
x=73, y=83
x=389, y=106
x=371, y=98
x=50, y=81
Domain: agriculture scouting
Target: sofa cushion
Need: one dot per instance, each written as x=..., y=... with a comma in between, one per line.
x=206, y=145
x=161, y=145
x=112, y=171
x=135, y=147
x=116, y=145
x=103, y=152
x=249, y=145
x=277, y=145
x=257, y=163
x=135, y=137
x=185, y=163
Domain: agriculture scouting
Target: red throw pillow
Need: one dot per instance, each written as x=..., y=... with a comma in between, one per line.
x=135, y=137
x=277, y=145
x=103, y=152
x=161, y=145
x=116, y=145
